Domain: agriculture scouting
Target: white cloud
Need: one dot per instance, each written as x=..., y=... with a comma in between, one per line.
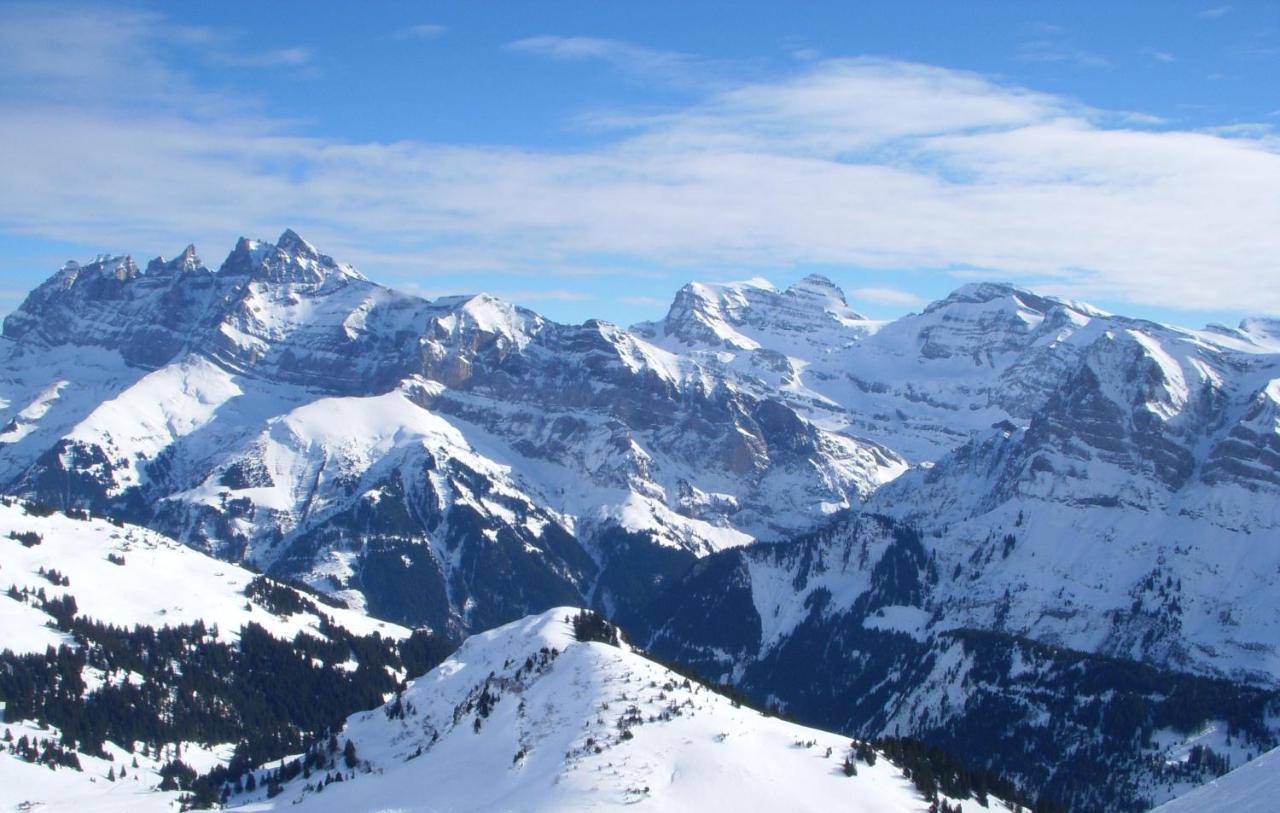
x=540, y=295
x=101, y=57
x=1214, y=12
x=646, y=301
x=865, y=162
x=883, y=296
x=519, y=296
x=1054, y=51
x=294, y=57
x=422, y=31
x=646, y=63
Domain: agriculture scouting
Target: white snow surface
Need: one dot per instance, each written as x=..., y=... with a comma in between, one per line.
x=1254, y=787
x=555, y=740
x=27, y=786
x=160, y=583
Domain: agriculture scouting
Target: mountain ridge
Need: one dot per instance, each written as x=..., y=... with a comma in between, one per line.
x=1000, y=469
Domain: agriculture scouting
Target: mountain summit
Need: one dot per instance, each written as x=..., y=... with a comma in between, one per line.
x=832, y=512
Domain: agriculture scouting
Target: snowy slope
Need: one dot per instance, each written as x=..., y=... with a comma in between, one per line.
x=1252, y=788
x=160, y=583
x=123, y=575
x=27, y=786
x=527, y=718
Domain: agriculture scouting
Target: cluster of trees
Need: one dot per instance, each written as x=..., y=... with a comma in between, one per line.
x=29, y=539
x=55, y=577
x=936, y=772
x=589, y=625
x=239, y=775
x=1201, y=765
x=43, y=751
x=181, y=684
x=35, y=508
x=859, y=751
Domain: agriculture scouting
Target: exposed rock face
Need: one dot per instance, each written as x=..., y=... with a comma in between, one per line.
x=287, y=411
x=1000, y=467
x=462, y=460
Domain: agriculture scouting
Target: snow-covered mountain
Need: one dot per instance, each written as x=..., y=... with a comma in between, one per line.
x=1087, y=480
x=552, y=712
x=286, y=411
x=1068, y=483
x=845, y=628
x=1136, y=512
x=529, y=717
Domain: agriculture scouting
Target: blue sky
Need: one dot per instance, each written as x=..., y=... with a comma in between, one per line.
x=586, y=159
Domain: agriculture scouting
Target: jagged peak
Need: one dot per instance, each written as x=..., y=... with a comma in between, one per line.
x=719, y=290
x=186, y=262
x=119, y=266
x=290, y=259
x=243, y=258
x=292, y=243
x=979, y=292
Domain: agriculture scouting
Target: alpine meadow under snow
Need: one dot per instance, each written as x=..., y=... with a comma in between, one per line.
x=1011, y=546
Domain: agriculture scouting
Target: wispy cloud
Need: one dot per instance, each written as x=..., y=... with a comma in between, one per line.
x=862, y=162
x=647, y=301
x=1044, y=29
x=294, y=57
x=519, y=296
x=637, y=60
x=1214, y=12
x=104, y=57
x=884, y=296
x=422, y=31
x=1044, y=50
x=1159, y=56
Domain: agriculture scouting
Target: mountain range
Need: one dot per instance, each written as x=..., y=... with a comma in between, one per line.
x=555, y=711
x=1007, y=512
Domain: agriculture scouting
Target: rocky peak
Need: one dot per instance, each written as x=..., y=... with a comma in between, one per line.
x=818, y=292
x=290, y=260
x=101, y=281
x=486, y=313
x=188, y=262
x=752, y=314
x=243, y=259
x=291, y=242
x=1000, y=293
